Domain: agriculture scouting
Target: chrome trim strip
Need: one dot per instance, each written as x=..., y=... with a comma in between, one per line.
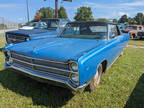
x=16, y=39
x=45, y=66
x=40, y=59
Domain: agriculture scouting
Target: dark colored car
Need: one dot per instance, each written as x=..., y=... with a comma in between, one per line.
x=45, y=28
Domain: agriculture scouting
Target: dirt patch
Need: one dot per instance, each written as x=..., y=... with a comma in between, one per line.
x=134, y=46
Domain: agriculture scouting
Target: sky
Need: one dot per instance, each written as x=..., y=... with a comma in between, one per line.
x=15, y=10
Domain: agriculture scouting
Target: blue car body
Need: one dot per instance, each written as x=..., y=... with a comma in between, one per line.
x=87, y=53
x=34, y=33
x=17, y=36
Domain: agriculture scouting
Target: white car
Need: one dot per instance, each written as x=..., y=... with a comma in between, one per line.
x=29, y=26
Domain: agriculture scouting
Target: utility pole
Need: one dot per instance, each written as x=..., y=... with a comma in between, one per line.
x=56, y=8
x=27, y=5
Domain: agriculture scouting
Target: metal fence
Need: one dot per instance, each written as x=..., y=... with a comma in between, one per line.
x=6, y=24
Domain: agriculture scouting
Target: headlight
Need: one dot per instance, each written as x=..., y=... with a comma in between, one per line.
x=9, y=53
x=74, y=66
x=75, y=78
x=10, y=61
x=6, y=53
x=8, y=58
x=27, y=39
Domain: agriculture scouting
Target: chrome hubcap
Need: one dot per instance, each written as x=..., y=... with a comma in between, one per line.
x=96, y=79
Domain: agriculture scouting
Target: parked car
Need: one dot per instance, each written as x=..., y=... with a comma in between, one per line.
x=140, y=34
x=122, y=26
x=29, y=26
x=134, y=30
x=45, y=28
x=76, y=58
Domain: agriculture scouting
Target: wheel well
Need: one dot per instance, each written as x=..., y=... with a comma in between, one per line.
x=133, y=34
x=104, y=65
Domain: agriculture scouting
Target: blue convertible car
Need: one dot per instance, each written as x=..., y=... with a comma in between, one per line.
x=76, y=58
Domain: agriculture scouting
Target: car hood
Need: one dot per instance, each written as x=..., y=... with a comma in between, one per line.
x=57, y=49
x=30, y=32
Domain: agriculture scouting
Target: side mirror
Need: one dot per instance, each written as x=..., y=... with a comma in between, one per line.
x=112, y=35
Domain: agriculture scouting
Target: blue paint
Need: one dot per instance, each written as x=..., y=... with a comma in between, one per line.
x=108, y=51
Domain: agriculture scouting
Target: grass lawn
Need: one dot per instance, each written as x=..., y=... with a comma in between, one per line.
x=122, y=86
x=137, y=42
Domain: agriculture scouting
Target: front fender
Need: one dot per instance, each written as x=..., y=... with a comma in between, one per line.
x=89, y=63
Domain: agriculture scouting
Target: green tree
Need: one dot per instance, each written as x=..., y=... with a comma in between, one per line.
x=47, y=12
x=37, y=16
x=139, y=18
x=84, y=14
x=62, y=13
x=131, y=20
x=115, y=21
x=123, y=19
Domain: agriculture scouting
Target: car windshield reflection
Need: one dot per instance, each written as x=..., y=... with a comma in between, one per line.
x=85, y=31
x=47, y=25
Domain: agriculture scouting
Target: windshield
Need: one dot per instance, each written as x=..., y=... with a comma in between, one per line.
x=32, y=24
x=132, y=27
x=85, y=31
x=47, y=24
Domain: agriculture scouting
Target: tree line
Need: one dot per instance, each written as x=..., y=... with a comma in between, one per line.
x=85, y=14
x=138, y=19
x=48, y=12
x=82, y=14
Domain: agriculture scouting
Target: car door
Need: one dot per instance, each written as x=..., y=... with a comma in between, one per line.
x=115, y=42
x=123, y=39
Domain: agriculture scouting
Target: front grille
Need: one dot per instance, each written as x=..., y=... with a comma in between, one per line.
x=42, y=66
x=13, y=39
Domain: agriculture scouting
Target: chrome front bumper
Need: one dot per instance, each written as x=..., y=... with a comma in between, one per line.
x=52, y=78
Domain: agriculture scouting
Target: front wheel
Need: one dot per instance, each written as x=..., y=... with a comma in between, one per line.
x=96, y=80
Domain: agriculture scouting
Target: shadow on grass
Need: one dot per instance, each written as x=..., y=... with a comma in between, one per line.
x=138, y=39
x=41, y=93
x=136, y=99
x=0, y=49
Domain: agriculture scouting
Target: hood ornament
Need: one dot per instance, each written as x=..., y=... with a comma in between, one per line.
x=35, y=50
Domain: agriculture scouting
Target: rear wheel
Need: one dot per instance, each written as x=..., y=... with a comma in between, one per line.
x=140, y=38
x=95, y=82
